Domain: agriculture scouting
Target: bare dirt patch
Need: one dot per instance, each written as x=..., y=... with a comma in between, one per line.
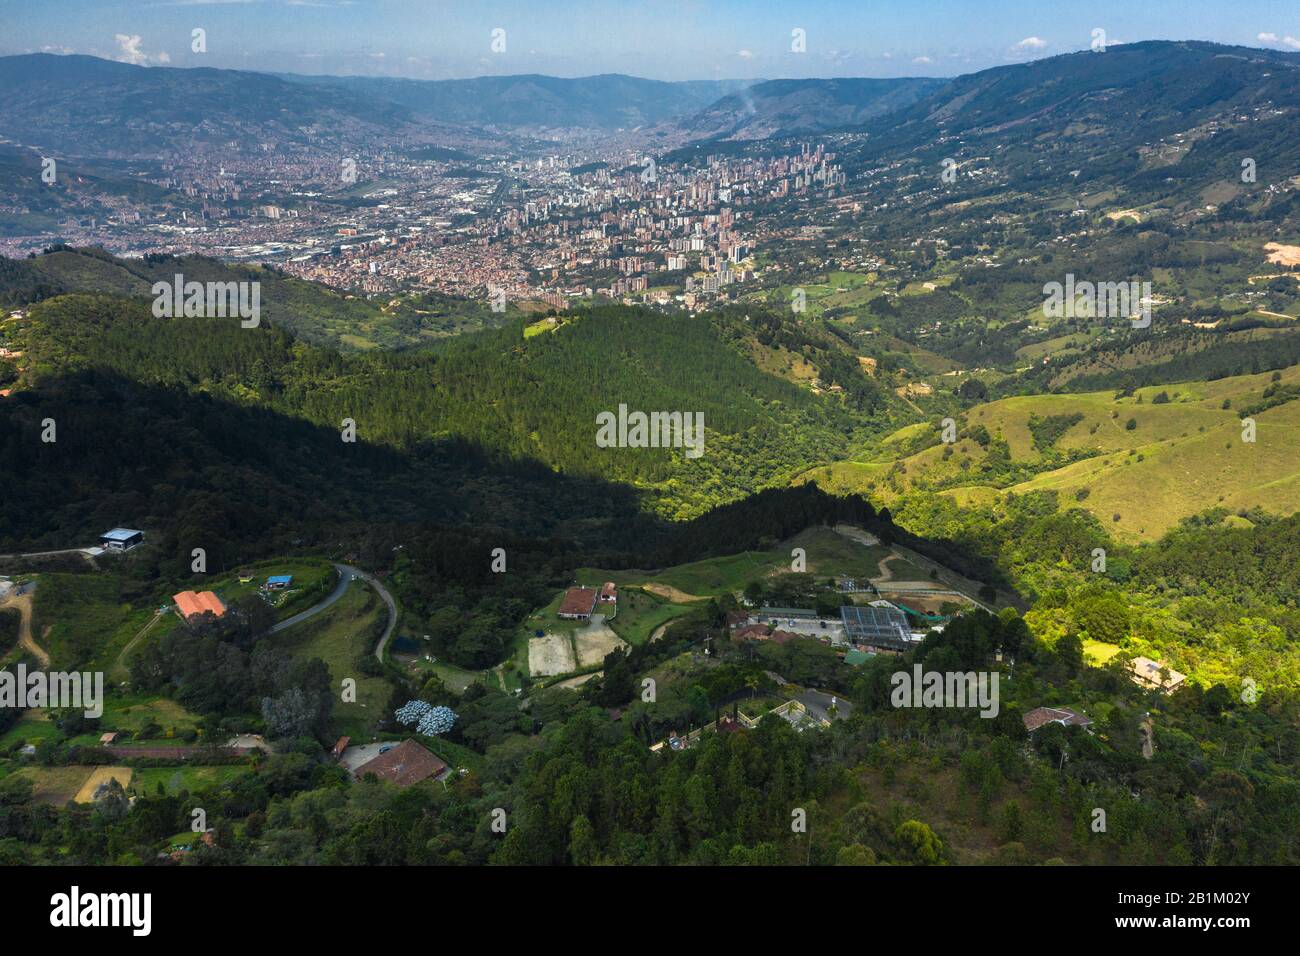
x=102, y=775
x=575, y=682
x=595, y=641
x=670, y=593
x=23, y=601
x=551, y=655
x=1281, y=255
x=853, y=533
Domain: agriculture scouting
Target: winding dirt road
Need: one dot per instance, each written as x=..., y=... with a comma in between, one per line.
x=21, y=599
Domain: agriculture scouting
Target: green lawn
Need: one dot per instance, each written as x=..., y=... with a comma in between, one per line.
x=89, y=616
x=339, y=637
x=826, y=552
x=639, y=614
x=1099, y=652
x=144, y=782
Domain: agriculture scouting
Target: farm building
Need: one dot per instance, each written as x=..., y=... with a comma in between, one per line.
x=578, y=604
x=609, y=593
x=191, y=604
x=406, y=764
x=121, y=539
x=279, y=582
x=883, y=627
x=792, y=613
x=245, y=576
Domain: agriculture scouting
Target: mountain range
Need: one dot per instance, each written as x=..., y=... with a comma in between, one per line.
x=1130, y=94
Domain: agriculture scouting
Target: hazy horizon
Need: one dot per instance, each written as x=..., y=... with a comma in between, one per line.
x=677, y=41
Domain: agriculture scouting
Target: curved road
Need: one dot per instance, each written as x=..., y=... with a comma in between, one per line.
x=348, y=574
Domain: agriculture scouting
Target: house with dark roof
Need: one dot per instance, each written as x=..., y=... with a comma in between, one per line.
x=752, y=632
x=405, y=765
x=121, y=539
x=578, y=604
x=1041, y=716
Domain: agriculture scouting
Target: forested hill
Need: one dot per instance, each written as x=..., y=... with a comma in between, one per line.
x=314, y=313
x=492, y=417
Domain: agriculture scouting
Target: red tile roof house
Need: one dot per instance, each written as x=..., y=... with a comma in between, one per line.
x=406, y=764
x=578, y=604
x=752, y=632
x=191, y=605
x=1040, y=716
x=609, y=593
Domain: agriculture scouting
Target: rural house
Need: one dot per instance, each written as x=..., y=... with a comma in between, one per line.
x=406, y=764
x=578, y=604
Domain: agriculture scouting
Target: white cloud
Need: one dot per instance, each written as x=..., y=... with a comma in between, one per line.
x=128, y=51
x=745, y=54
x=1292, y=42
x=922, y=59
x=1267, y=38
x=1031, y=43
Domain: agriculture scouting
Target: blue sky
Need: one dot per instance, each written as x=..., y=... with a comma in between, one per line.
x=664, y=39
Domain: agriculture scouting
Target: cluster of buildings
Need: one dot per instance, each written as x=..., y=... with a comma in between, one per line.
x=193, y=605
x=597, y=220
x=861, y=630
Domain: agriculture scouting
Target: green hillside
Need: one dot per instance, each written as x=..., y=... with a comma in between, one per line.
x=1183, y=454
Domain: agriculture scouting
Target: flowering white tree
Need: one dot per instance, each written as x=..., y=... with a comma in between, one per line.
x=411, y=712
x=428, y=720
x=436, y=722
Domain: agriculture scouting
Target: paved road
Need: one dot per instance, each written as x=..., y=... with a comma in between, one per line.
x=84, y=552
x=348, y=574
x=387, y=599
x=345, y=579
x=819, y=704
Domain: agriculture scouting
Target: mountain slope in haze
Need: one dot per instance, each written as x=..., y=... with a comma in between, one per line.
x=85, y=106
x=791, y=107
x=1103, y=114
x=606, y=102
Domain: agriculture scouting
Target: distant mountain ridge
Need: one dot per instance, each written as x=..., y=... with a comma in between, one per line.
x=608, y=101
x=85, y=106
x=1102, y=113
x=791, y=107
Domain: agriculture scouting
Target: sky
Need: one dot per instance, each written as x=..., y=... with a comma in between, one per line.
x=661, y=39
